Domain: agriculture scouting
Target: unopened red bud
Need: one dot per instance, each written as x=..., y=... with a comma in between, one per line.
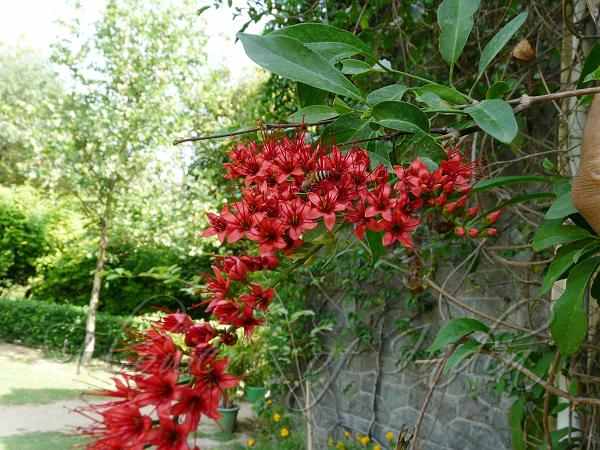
x=473, y=211
x=449, y=188
x=466, y=189
x=492, y=231
x=473, y=232
x=436, y=186
x=441, y=200
x=451, y=207
x=459, y=231
x=462, y=201
x=493, y=217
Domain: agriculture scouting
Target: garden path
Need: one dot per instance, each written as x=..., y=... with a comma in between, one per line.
x=38, y=395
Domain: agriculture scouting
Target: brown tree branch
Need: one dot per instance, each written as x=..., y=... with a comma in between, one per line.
x=521, y=104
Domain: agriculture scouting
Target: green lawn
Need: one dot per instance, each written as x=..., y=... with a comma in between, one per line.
x=52, y=440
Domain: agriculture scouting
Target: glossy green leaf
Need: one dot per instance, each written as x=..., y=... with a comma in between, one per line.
x=393, y=92
x=333, y=51
x=456, y=329
x=496, y=118
x=313, y=113
x=516, y=414
x=456, y=21
x=374, y=240
x=341, y=106
x=309, y=95
x=595, y=289
x=427, y=147
x=312, y=33
x=355, y=67
x=568, y=322
x=552, y=233
x=401, y=116
x=463, y=351
x=446, y=93
x=562, y=207
x=379, y=151
x=484, y=185
x=289, y=58
x=434, y=101
x=499, y=41
x=346, y=128
x=497, y=90
x=592, y=63
x=566, y=256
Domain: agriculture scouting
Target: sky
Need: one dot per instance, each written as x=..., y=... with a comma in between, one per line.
x=32, y=22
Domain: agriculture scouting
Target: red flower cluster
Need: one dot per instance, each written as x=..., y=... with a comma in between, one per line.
x=289, y=187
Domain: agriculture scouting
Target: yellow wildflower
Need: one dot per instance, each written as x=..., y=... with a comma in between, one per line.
x=364, y=440
x=269, y=402
x=330, y=442
x=250, y=442
x=377, y=447
x=276, y=417
x=359, y=437
x=347, y=434
x=284, y=432
x=340, y=445
x=389, y=436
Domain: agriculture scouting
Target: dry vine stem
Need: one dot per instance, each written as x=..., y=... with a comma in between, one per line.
x=522, y=104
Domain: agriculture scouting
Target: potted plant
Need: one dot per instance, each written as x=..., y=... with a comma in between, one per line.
x=258, y=371
x=229, y=412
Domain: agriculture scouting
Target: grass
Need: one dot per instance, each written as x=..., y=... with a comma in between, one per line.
x=52, y=440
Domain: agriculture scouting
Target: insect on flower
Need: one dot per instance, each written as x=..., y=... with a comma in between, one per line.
x=314, y=177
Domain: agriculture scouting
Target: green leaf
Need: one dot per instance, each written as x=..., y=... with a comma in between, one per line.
x=308, y=95
x=202, y=9
x=516, y=414
x=374, y=240
x=552, y=233
x=496, y=118
x=289, y=58
x=341, y=106
x=497, y=90
x=463, y=351
x=456, y=329
x=595, y=289
x=392, y=92
x=333, y=51
x=595, y=75
x=355, y=67
x=312, y=33
x=484, y=185
x=346, y=128
x=456, y=21
x=378, y=152
x=434, y=101
x=566, y=256
x=592, y=63
x=561, y=208
x=427, y=147
x=446, y=93
x=498, y=42
x=401, y=116
x=568, y=322
x=313, y=113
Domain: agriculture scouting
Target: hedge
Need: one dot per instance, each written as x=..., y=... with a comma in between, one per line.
x=60, y=329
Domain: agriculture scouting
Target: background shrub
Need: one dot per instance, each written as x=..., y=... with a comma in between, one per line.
x=60, y=328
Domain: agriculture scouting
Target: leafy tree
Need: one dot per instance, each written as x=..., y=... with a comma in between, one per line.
x=125, y=103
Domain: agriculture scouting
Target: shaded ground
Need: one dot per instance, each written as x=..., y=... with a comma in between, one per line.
x=37, y=396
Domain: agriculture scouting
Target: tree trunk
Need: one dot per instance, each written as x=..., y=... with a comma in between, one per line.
x=90, y=325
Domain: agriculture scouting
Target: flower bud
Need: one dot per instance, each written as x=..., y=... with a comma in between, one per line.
x=473, y=211
x=493, y=217
x=473, y=232
x=492, y=231
x=459, y=231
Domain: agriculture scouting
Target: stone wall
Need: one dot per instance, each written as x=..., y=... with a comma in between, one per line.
x=371, y=388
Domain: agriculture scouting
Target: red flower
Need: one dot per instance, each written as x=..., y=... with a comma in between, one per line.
x=156, y=352
x=158, y=389
x=259, y=298
x=380, y=202
x=194, y=403
x=210, y=374
x=240, y=221
x=170, y=435
x=298, y=217
x=218, y=227
x=399, y=228
x=269, y=234
x=326, y=206
x=175, y=323
x=247, y=320
x=199, y=333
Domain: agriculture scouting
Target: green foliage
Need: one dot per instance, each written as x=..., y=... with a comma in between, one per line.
x=456, y=329
x=456, y=21
x=58, y=329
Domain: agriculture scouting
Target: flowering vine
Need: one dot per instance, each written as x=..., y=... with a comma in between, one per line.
x=288, y=188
